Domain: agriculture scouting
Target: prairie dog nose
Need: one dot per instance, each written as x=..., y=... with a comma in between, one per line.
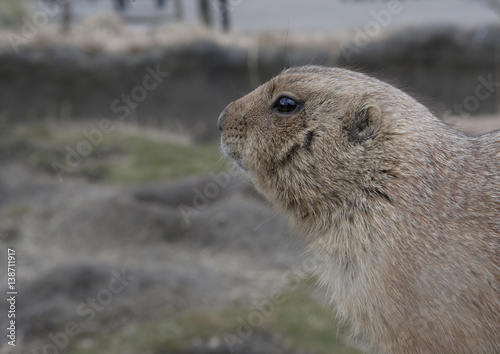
x=222, y=118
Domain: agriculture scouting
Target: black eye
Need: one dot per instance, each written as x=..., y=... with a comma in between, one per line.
x=285, y=104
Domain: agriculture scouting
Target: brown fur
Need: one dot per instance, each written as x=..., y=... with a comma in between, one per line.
x=402, y=210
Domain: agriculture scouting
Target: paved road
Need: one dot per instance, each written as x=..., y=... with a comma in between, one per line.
x=305, y=15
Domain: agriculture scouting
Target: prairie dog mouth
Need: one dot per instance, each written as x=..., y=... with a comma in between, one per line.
x=234, y=156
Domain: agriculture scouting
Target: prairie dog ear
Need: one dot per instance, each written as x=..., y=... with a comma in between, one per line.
x=367, y=120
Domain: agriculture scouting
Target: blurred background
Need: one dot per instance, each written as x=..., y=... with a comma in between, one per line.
x=132, y=233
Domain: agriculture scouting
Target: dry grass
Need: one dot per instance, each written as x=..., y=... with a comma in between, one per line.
x=107, y=33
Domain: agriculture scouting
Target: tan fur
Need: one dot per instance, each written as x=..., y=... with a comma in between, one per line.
x=402, y=211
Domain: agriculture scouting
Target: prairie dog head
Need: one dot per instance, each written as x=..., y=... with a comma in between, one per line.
x=313, y=136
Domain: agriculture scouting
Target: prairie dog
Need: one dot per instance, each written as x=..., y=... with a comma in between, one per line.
x=402, y=210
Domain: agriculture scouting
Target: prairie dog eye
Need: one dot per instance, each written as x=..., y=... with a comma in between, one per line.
x=285, y=104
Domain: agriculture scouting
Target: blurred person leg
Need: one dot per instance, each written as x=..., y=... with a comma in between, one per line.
x=120, y=5
x=160, y=4
x=205, y=12
x=224, y=10
x=66, y=16
x=178, y=10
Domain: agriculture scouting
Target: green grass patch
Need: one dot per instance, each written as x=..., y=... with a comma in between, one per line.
x=303, y=322
x=127, y=155
x=11, y=12
x=17, y=210
x=149, y=159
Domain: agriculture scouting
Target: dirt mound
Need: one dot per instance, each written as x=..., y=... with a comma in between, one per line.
x=101, y=257
x=196, y=211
